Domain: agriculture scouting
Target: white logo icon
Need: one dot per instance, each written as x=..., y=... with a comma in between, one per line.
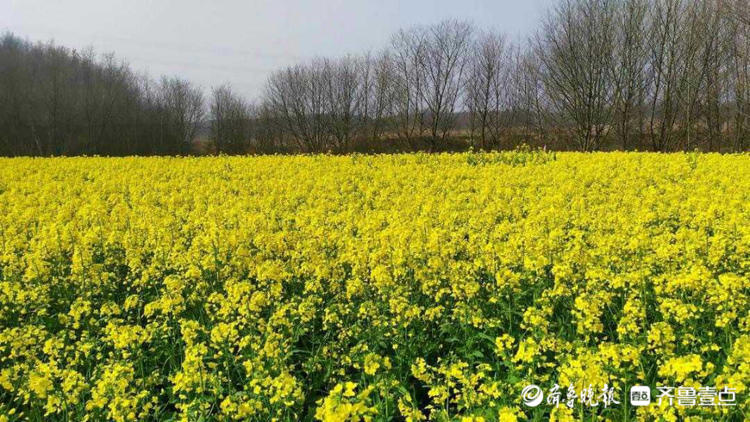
x=640, y=395
x=532, y=395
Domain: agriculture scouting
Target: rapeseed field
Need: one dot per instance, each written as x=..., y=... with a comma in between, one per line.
x=400, y=287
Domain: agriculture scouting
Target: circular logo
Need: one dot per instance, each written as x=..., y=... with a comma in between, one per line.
x=532, y=395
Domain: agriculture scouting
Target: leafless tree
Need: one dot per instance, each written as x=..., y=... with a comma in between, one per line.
x=181, y=114
x=57, y=101
x=296, y=95
x=628, y=68
x=665, y=70
x=736, y=21
x=230, y=120
x=381, y=94
x=487, y=87
x=443, y=63
x=575, y=51
x=527, y=102
x=409, y=50
x=659, y=74
x=346, y=99
x=701, y=49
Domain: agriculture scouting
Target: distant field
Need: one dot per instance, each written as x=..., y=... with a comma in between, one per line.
x=359, y=287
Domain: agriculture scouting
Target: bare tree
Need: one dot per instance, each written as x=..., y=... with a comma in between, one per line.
x=701, y=51
x=664, y=74
x=269, y=134
x=665, y=71
x=443, y=63
x=629, y=70
x=57, y=101
x=575, y=51
x=344, y=90
x=486, y=87
x=527, y=102
x=381, y=94
x=230, y=120
x=181, y=106
x=409, y=49
x=296, y=96
x=736, y=20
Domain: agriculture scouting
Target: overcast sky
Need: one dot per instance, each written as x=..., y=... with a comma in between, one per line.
x=241, y=42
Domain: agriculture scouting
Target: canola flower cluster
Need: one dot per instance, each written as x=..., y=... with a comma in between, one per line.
x=404, y=287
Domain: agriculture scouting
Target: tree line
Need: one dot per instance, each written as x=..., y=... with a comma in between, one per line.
x=658, y=75
x=56, y=101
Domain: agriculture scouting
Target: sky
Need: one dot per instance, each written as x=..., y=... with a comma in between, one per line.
x=241, y=42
